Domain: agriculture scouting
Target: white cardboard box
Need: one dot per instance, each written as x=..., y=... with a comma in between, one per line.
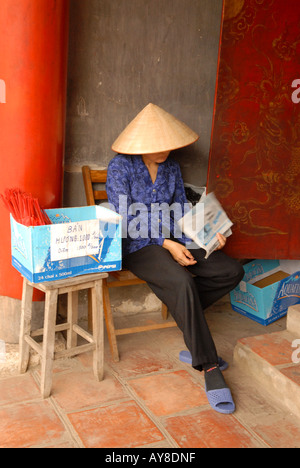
x=80, y=241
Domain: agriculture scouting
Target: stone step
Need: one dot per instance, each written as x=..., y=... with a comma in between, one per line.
x=274, y=361
x=293, y=320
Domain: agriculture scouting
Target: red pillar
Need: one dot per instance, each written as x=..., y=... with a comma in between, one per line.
x=33, y=71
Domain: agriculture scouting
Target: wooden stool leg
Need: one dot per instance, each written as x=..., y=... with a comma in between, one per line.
x=72, y=318
x=49, y=341
x=26, y=314
x=98, y=330
x=110, y=327
x=164, y=311
x=90, y=311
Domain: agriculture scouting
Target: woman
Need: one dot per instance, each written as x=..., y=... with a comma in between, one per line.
x=145, y=186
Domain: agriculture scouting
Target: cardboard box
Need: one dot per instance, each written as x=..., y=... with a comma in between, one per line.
x=80, y=241
x=268, y=289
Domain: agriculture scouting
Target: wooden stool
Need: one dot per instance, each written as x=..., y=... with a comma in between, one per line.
x=71, y=286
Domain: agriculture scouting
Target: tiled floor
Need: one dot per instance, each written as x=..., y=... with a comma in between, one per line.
x=148, y=399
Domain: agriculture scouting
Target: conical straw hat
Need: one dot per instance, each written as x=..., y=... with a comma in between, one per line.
x=153, y=131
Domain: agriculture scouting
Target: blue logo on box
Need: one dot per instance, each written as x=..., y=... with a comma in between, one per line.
x=287, y=294
x=245, y=298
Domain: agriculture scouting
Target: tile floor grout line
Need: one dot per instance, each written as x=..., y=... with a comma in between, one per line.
x=151, y=373
x=97, y=406
x=287, y=366
x=59, y=412
x=187, y=412
x=251, y=431
x=22, y=402
x=146, y=410
x=66, y=423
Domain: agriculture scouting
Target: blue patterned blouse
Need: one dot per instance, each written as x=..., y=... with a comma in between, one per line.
x=149, y=210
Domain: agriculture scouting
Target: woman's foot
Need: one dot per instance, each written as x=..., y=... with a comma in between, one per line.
x=217, y=391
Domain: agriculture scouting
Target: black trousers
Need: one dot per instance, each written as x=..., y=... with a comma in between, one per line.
x=188, y=291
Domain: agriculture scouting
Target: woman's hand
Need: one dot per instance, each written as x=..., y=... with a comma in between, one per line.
x=179, y=252
x=182, y=255
x=222, y=241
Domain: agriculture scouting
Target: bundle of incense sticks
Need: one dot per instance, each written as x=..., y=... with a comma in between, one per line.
x=24, y=208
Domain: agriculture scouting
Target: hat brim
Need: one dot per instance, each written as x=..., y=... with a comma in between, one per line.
x=154, y=130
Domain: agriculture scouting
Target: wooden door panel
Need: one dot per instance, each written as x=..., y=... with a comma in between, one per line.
x=254, y=166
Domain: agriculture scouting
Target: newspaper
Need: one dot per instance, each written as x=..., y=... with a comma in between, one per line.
x=204, y=221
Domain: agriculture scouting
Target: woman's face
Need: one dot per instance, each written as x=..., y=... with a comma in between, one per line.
x=156, y=157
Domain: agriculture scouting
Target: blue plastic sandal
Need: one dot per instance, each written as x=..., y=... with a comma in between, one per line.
x=223, y=365
x=221, y=400
x=185, y=356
